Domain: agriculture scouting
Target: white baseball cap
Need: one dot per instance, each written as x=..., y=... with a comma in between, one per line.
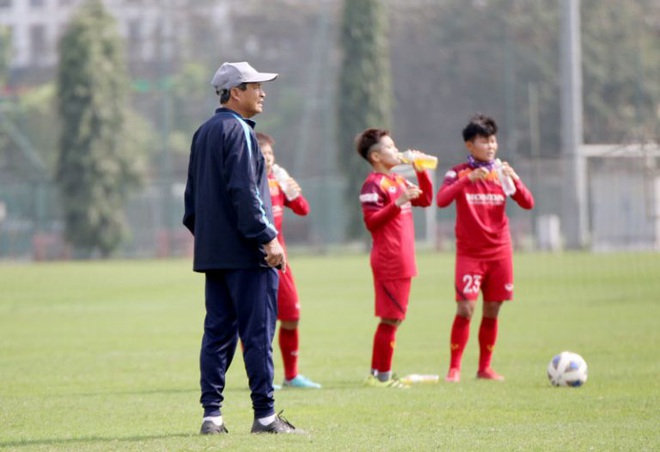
x=230, y=75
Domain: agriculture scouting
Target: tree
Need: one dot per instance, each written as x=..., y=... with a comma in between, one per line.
x=5, y=54
x=365, y=92
x=621, y=63
x=95, y=170
x=486, y=55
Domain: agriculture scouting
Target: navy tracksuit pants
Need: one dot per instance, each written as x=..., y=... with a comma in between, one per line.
x=240, y=303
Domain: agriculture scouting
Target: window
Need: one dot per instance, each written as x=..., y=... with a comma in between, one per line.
x=135, y=39
x=38, y=44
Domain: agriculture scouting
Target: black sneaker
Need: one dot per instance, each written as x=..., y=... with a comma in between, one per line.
x=279, y=425
x=210, y=428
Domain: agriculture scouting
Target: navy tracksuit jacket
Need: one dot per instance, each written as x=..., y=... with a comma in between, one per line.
x=229, y=214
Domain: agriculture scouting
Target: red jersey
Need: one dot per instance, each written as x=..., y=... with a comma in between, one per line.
x=482, y=226
x=300, y=206
x=392, y=228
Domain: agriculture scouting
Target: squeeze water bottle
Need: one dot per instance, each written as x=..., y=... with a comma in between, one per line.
x=507, y=183
x=423, y=161
x=282, y=177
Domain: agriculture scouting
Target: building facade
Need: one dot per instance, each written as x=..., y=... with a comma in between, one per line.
x=150, y=27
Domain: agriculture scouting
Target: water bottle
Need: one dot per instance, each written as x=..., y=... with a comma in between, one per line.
x=507, y=183
x=419, y=378
x=421, y=161
x=282, y=177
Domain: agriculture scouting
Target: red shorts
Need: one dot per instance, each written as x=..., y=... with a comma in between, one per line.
x=288, y=306
x=492, y=277
x=392, y=298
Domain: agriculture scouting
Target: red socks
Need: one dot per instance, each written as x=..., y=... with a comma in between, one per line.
x=383, y=350
x=460, y=332
x=288, y=340
x=487, y=339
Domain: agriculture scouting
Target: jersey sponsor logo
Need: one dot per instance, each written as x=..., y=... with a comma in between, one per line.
x=491, y=199
x=368, y=197
x=508, y=287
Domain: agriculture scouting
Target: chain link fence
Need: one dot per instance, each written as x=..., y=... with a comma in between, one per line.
x=623, y=213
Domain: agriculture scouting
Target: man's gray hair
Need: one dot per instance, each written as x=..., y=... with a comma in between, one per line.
x=225, y=94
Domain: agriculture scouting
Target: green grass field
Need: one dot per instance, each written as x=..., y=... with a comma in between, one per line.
x=104, y=356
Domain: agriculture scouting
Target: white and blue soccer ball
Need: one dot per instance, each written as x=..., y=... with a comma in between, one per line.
x=567, y=369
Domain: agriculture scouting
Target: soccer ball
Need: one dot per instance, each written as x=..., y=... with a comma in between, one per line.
x=567, y=369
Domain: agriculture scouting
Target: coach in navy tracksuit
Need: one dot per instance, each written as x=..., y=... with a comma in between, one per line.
x=228, y=210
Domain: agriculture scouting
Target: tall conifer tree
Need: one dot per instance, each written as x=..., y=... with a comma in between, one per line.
x=95, y=170
x=365, y=93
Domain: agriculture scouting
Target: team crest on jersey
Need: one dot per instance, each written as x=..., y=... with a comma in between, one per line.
x=273, y=187
x=492, y=175
x=464, y=172
x=508, y=287
x=451, y=174
x=388, y=185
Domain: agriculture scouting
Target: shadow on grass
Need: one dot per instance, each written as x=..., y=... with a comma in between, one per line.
x=90, y=439
x=145, y=392
x=133, y=392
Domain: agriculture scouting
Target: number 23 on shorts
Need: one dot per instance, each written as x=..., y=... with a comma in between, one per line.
x=471, y=285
